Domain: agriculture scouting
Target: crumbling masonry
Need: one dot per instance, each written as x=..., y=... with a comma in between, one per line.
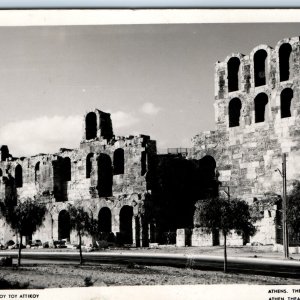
x=106, y=175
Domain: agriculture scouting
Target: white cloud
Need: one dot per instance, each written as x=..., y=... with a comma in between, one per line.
x=186, y=142
x=121, y=119
x=150, y=109
x=48, y=134
x=41, y=135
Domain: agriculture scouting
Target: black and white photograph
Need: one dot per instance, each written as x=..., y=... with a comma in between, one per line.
x=158, y=154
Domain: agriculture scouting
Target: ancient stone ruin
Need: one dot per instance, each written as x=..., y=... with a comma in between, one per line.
x=257, y=115
x=106, y=175
x=141, y=197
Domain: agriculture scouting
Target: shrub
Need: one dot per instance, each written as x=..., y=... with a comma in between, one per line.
x=88, y=281
x=7, y=285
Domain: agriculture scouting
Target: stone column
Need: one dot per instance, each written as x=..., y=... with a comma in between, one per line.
x=115, y=224
x=183, y=237
x=55, y=227
x=135, y=227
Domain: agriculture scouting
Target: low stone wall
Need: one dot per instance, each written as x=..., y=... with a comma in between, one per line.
x=201, y=238
x=265, y=229
x=183, y=237
x=233, y=239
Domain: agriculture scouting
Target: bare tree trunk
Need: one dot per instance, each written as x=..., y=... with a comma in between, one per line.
x=225, y=253
x=80, y=250
x=52, y=229
x=20, y=248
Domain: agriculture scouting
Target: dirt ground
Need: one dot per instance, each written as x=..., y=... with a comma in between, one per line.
x=55, y=276
x=60, y=276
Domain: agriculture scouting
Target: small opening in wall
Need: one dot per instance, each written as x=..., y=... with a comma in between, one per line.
x=118, y=161
x=66, y=169
x=234, y=112
x=37, y=171
x=89, y=165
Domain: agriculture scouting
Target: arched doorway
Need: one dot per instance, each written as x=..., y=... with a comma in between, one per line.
x=104, y=220
x=126, y=214
x=64, y=225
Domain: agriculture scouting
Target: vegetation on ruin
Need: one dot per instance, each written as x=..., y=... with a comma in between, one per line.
x=224, y=215
x=24, y=218
x=258, y=207
x=293, y=208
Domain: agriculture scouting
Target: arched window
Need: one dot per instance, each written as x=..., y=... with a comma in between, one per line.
x=119, y=161
x=104, y=219
x=260, y=69
x=37, y=172
x=91, y=126
x=285, y=51
x=286, y=97
x=4, y=153
x=208, y=164
x=89, y=165
x=233, y=67
x=64, y=225
x=66, y=169
x=19, y=176
x=234, y=112
x=104, y=175
x=260, y=103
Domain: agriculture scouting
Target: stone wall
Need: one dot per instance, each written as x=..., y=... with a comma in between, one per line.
x=257, y=116
x=249, y=150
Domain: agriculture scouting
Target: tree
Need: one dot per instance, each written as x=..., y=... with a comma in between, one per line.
x=24, y=218
x=293, y=209
x=80, y=222
x=224, y=215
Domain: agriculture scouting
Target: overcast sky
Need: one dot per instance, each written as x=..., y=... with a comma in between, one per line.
x=153, y=79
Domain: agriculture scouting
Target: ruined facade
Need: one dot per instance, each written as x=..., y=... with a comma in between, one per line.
x=106, y=175
x=257, y=116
